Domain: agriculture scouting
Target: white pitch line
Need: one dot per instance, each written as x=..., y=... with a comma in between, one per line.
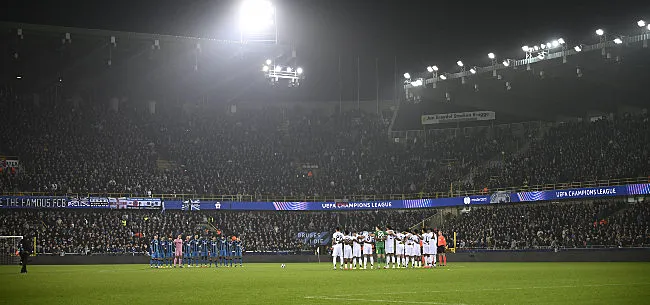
x=381, y=301
x=494, y=289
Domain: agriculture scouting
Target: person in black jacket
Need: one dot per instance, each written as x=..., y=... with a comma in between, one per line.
x=25, y=251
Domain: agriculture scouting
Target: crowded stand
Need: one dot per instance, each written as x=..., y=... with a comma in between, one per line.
x=554, y=225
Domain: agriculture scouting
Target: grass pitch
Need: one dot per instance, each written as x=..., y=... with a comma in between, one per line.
x=459, y=283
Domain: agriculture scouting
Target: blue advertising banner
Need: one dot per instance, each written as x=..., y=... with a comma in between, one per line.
x=197, y=205
x=33, y=202
x=589, y=192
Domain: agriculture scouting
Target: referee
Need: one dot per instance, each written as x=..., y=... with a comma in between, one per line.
x=25, y=251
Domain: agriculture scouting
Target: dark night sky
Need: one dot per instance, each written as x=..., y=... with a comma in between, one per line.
x=418, y=32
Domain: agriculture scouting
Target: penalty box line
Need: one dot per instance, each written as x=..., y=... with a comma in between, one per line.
x=493, y=289
x=379, y=301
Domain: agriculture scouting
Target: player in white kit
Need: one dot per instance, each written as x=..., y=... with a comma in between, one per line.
x=337, y=247
x=426, y=247
x=390, y=247
x=356, y=248
x=408, y=248
x=347, y=250
x=368, y=240
x=399, y=248
x=416, y=251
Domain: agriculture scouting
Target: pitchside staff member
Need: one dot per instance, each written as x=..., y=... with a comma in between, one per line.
x=25, y=251
x=442, y=246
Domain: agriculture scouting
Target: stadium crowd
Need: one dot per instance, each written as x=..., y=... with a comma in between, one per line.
x=554, y=225
x=293, y=153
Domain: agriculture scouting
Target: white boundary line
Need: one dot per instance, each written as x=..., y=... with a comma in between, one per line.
x=381, y=301
x=493, y=289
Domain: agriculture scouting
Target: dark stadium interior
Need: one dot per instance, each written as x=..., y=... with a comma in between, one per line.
x=87, y=117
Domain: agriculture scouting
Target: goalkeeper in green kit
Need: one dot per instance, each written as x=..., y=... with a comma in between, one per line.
x=380, y=237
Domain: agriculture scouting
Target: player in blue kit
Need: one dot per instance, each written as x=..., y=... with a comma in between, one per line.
x=169, y=255
x=237, y=252
x=223, y=251
x=204, y=249
x=214, y=251
x=195, y=250
x=154, y=249
x=163, y=252
x=187, y=251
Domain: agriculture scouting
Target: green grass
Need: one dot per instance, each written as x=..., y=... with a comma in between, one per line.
x=459, y=283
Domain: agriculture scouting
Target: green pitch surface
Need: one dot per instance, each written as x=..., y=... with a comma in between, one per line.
x=459, y=283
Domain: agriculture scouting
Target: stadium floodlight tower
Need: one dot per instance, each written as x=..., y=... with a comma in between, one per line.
x=276, y=72
x=258, y=22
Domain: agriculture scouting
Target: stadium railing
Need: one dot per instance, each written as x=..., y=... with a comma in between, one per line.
x=380, y=197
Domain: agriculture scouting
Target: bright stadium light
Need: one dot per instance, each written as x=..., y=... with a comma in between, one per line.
x=407, y=75
x=491, y=55
x=265, y=68
x=472, y=70
x=268, y=62
x=556, y=43
x=443, y=77
x=640, y=23
x=618, y=41
x=299, y=70
x=536, y=48
x=600, y=32
x=278, y=68
x=561, y=41
x=506, y=63
x=256, y=15
x=432, y=69
x=417, y=83
x=525, y=48
x=577, y=48
x=460, y=63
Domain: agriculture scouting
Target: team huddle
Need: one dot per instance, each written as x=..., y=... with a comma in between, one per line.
x=397, y=249
x=197, y=252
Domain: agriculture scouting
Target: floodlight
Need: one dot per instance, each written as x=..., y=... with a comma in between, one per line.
x=536, y=48
x=472, y=70
x=407, y=75
x=561, y=40
x=265, y=68
x=443, y=77
x=618, y=41
x=548, y=45
x=256, y=15
x=459, y=63
x=542, y=46
x=491, y=55
x=600, y=32
x=18, y=77
x=577, y=48
x=430, y=69
x=648, y=27
x=640, y=23
x=416, y=83
x=278, y=68
x=525, y=48
x=541, y=55
x=299, y=70
x=556, y=43
x=268, y=62
x=506, y=62
x=289, y=69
